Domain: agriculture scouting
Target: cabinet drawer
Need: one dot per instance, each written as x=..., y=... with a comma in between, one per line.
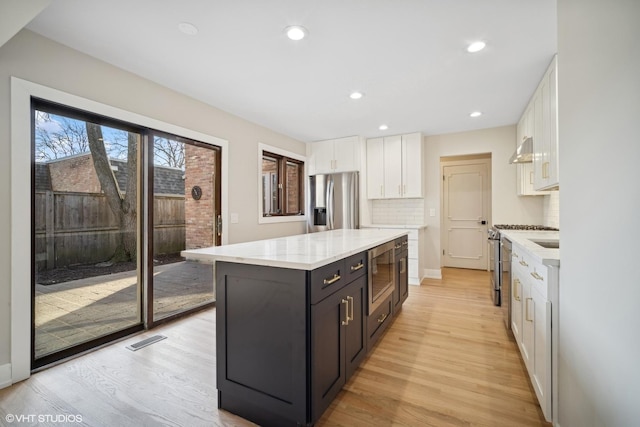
x=378, y=321
x=538, y=274
x=355, y=266
x=534, y=272
x=401, y=245
x=327, y=279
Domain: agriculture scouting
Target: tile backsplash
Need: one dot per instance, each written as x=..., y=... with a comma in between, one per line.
x=551, y=209
x=398, y=211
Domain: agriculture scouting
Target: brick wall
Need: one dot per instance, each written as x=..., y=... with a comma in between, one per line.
x=293, y=188
x=199, y=214
x=74, y=174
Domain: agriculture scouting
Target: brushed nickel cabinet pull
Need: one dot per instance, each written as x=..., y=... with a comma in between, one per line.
x=382, y=317
x=345, y=322
x=527, y=310
x=537, y=276
x=357, y=267
x=516, y=282
x=524, y=263
x=332, y=280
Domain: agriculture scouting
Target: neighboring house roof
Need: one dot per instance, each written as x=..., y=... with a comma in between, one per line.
x=167, y=180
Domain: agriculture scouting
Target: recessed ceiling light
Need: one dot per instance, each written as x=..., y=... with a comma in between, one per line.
x=476, y=47
x=383, y=127
x=356, y=95
x=188, y=29
x=475, y=114
x=296, y=32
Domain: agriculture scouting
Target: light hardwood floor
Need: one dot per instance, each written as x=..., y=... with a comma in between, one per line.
x=445, y=361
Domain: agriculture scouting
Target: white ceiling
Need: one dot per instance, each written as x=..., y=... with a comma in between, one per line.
x=407, y=56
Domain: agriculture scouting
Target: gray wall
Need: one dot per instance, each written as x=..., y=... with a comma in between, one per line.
x=40, y=60
x=599, y=106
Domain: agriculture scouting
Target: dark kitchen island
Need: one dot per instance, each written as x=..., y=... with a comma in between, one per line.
x=293, y=321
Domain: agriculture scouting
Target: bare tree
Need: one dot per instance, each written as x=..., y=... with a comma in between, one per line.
x=59, y=138
x=122, y=205
x=168, y=152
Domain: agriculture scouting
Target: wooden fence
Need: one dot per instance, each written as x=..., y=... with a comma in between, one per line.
x=79, y=228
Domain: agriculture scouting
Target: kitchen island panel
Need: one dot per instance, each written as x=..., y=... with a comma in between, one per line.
x=261, y=324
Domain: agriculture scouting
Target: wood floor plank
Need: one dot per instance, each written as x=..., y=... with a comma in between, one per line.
x=446, y=360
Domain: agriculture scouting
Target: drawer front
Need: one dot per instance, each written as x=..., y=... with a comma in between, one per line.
x=400, y=245
x=535, y=272
x=327, y=280
x=538, y=275
x=378, y=321
x=355, y=266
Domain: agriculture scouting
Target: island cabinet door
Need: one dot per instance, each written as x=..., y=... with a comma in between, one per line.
x=356, y=330
x=338, y=343
x=261, y=339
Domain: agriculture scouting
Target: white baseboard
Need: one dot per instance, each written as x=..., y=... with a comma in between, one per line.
x=5, y=375
x=433, y=273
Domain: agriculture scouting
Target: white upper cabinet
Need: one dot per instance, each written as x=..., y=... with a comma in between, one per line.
x=334, y=155
x=545, y=142
x=392, y=166
x=395, y=167
x=540, y=122
x=524, y=171
x=412, y=170
x=375, y=167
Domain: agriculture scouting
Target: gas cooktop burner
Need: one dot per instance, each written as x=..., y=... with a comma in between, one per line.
x=524, y=227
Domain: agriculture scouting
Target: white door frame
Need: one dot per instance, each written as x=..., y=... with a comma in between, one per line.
x=461, y=161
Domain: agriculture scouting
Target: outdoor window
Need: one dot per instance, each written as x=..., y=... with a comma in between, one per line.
x=282, y=185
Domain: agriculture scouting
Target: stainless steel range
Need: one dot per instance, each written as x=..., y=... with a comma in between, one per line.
x=500, y=265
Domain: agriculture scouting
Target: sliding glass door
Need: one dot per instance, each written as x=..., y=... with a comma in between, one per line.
x=86, y=281
x=186, y=208
x=113, y=205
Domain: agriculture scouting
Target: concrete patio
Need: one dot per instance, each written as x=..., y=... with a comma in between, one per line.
x=73, y=312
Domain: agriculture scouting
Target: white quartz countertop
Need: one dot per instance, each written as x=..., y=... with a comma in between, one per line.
x=301, y=252
x=523, y=239
x=399, y=226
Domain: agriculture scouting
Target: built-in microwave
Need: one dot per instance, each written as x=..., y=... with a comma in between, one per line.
x=382, y=274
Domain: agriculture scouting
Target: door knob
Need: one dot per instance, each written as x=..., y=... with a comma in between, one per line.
x=483, y=222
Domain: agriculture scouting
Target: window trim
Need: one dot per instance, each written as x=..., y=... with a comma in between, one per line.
x=262, y=148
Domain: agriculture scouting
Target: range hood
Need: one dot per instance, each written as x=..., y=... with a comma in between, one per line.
x=524, y=153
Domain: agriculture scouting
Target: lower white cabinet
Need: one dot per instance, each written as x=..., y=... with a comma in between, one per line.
x=531, y=321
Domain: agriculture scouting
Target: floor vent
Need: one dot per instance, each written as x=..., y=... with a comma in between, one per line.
x=146, y=342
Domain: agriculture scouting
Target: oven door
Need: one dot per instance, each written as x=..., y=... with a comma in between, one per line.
x=495, y=269
x=382, y=274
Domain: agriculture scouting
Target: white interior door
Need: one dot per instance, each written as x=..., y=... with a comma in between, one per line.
x=466, y=209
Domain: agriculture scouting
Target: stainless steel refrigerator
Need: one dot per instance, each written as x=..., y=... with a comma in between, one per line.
x=333, y=201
